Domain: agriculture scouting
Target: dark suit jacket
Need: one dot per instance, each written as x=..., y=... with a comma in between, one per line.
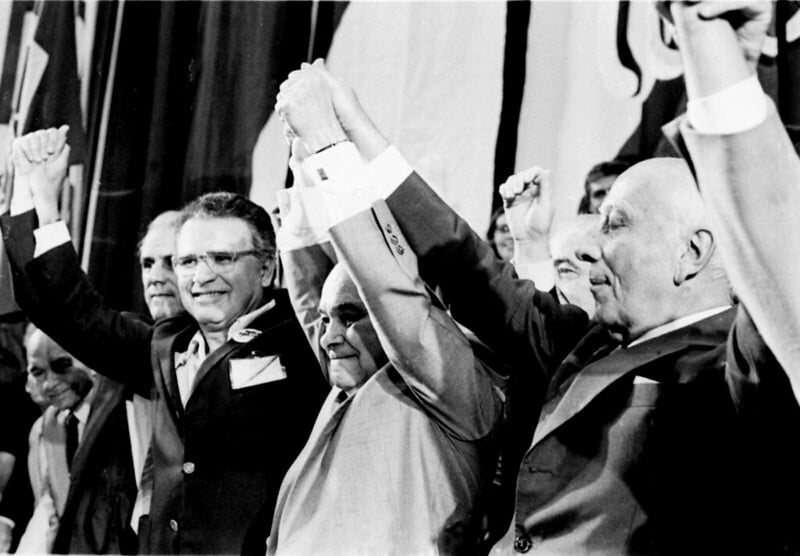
x=220, y=460
x=659, y=448
x=102, y=489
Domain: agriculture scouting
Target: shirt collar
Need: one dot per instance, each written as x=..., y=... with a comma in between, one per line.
x=81, y=413
x=676, y=324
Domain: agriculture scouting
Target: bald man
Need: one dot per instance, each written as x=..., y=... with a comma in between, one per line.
x=650, y=447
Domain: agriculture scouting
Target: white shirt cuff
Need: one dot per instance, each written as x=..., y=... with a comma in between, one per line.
x=50, y=236
x=376, y=181
x=7, y=521
x=732, y=110
x=541, y=272
x=339, y=163
x=21, y=198
x=304, y=218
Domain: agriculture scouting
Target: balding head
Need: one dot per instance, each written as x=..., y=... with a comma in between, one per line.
x=653, y=256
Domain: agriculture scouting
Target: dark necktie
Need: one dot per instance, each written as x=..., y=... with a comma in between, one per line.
x=71, y=424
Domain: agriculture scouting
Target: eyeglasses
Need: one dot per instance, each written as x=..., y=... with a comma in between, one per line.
x=220, y=262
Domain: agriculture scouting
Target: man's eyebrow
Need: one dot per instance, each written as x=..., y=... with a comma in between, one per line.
x=350, y=306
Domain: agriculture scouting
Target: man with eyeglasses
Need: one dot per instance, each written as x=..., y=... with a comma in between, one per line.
x=237, y=386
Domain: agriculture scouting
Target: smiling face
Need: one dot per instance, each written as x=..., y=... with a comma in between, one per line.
x=158, y=278
x=634, y=252
x=217, y=299
x=54, y=374
x=349, y=339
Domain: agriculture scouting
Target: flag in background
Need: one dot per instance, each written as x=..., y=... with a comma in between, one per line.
x=430, y=75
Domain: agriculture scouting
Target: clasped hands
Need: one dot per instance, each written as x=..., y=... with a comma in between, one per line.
x=318, y=110
x=41, y=159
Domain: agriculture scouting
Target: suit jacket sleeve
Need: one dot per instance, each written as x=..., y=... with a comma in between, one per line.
x=751, y=184
x=525, y=326
x=425, y=345
x=57, y=296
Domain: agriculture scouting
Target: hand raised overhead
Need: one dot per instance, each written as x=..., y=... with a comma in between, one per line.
x=528, y=202
x=312, y=97
x=40, y=160
x=749, y=18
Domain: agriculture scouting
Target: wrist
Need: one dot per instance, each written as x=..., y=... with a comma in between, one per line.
x=46, y=212
x=323, y=139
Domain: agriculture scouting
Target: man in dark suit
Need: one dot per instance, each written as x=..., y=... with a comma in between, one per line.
x=107, y=467
x=237, y=385
x=67, y=385
x=641, y=449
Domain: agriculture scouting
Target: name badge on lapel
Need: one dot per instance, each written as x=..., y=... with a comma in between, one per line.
x=255, y=370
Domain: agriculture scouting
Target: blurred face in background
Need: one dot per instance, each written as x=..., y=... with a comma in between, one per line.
x=572, y=274
x=54, y=375
x=159, y=283
x=597, y=192
x=501, y=238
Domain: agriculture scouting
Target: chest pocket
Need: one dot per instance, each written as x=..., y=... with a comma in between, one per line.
x=254, y=371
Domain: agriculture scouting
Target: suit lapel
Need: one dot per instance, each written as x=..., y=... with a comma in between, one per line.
x=166, y=364
x=105, y=400
x=598, y=375
x=271, y=319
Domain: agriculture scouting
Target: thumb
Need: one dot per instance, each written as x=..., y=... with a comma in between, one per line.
x=62, y=160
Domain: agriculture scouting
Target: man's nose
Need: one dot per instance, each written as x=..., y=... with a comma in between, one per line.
x=588, y=251
x=332, y=336
x=50, y=379
x=203, y=272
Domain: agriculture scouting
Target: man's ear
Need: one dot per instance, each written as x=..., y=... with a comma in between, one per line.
x=268, y=271
x=698, y=250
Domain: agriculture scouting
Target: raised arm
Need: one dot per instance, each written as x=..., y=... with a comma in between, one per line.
x=48, y=281
x=526, y=327
x=746, y=166
x=421, y=340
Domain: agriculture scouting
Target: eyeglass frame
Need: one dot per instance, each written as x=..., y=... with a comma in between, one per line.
x=213, y=266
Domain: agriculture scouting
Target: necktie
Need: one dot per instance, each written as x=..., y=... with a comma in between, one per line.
x=71, y=424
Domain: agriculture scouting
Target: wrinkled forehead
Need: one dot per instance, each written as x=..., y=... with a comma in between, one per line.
x=339, y=289
x=659, y=186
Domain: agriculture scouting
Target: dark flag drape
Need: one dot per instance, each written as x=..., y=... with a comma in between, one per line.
x=51, y=71
x=194, y=84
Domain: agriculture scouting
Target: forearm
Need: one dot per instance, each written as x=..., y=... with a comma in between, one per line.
x=483, y=293
x=712, y=57
x=305, y=271
x=423, y=343
x=752, y=187
x=68, y=309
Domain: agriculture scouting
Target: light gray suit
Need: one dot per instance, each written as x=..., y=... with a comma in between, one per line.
x=399, y=466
